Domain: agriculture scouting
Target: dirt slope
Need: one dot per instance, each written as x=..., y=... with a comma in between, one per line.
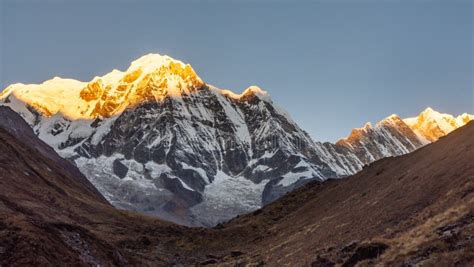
x=51, y=215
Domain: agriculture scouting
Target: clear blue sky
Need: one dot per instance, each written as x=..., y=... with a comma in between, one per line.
x=332, y=64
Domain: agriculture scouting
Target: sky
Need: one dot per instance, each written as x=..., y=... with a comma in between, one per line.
x=333, y=65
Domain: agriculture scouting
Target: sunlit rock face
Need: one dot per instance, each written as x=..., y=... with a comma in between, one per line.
x=93, y=91
x=136, y=87
x=431, y=125
x=389, y=137
x=150, y=78
x=157, y=139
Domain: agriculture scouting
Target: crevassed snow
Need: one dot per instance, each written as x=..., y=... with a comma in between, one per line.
x=99, y=172
x=228, y=197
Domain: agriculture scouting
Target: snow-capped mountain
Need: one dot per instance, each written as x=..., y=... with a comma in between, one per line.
x=389, y=137
x=394, y=136
x=157, y=139
x=431, y=125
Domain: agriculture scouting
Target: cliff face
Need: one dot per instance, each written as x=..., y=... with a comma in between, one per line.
x=389, y=137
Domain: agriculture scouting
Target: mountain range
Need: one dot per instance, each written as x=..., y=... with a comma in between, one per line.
x=411, y=210
x=157, y=139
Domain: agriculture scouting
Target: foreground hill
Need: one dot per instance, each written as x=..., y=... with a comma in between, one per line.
x=412, y=209
x=50, y=214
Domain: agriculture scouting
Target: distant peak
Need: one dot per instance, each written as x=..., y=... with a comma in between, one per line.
x=431, y=114
x=431, y=124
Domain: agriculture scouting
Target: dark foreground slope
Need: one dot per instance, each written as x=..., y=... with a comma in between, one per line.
x=51, y=215
x=412, y=209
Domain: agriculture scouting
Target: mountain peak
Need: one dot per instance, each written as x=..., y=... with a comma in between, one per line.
x=152, y=77
x=392, y=117
x=431, y=124
x=256, y=91
x=464, y=118
x=250, y=91
x=429, y=110
x=430, y=113
x=401, y=136
x=356, y=133
x=151, y=62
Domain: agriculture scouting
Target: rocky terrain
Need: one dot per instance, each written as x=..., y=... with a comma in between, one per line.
x=159, y=140
x=415, y=209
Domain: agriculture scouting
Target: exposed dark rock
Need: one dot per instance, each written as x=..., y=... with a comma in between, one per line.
x=322, y=262
x=119, y=169
x=366, y=252
x=174, y=185
x=236, y=253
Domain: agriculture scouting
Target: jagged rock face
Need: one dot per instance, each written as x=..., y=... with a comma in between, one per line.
x=178, y=155
x=157, y=139
x=390, y=137
x=136, y=87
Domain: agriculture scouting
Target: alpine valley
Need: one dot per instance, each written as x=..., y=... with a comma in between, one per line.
x=159, y=140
